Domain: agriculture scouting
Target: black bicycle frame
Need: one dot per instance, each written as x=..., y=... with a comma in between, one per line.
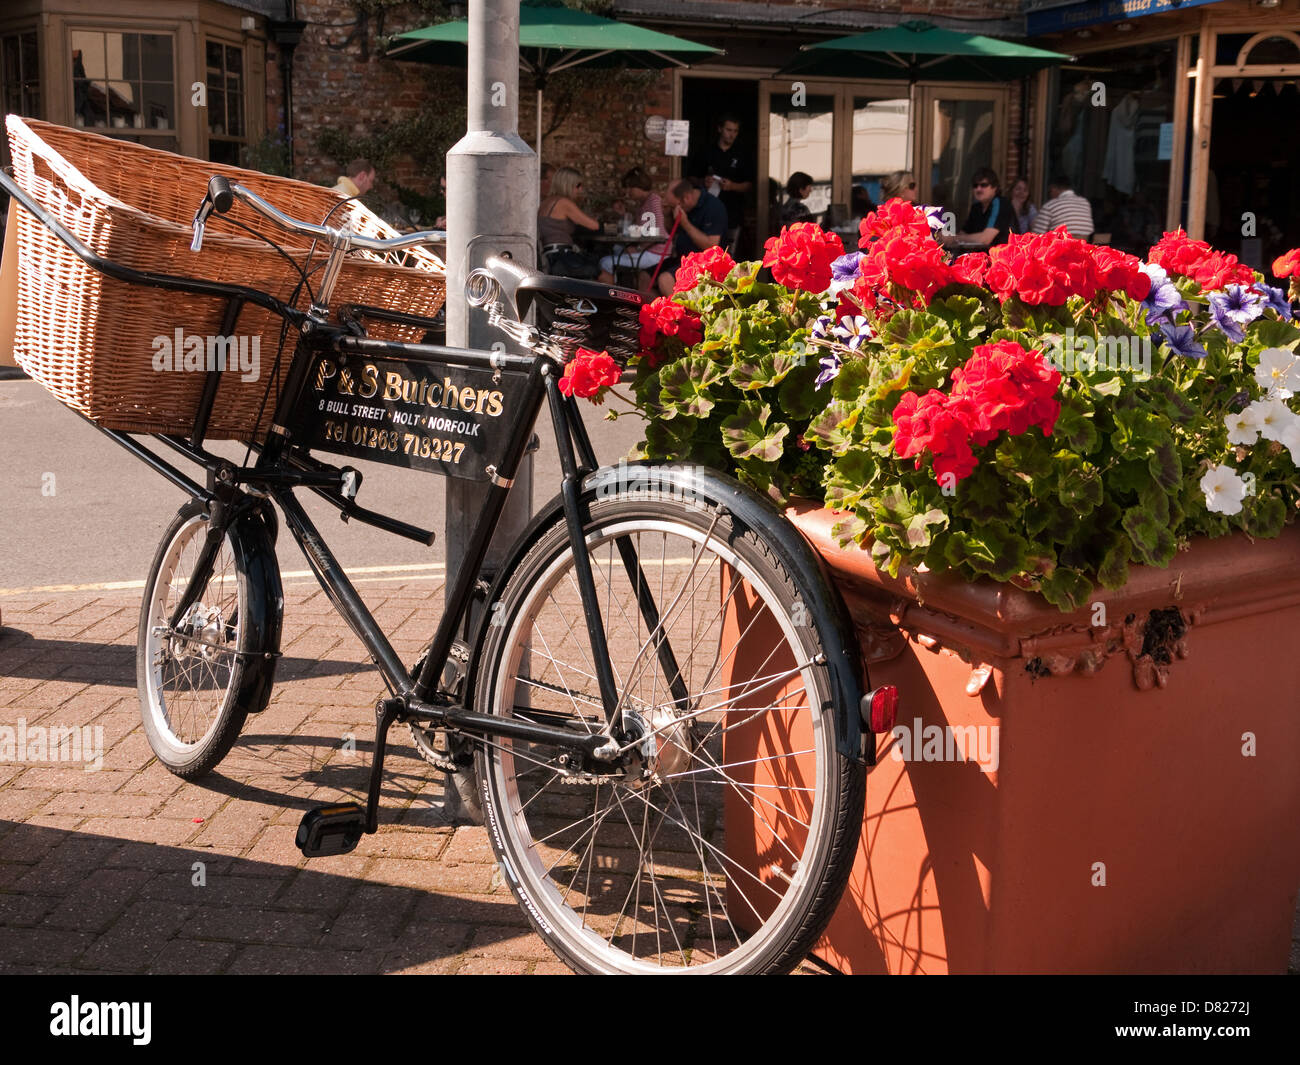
x=279, y=469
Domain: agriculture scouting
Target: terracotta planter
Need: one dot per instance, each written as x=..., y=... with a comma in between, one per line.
x=1130, y=800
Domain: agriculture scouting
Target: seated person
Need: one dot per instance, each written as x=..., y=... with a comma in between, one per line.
x=796, y=191
x=558, y=217
x=649, y=209
x=1064, y=207
x=991, y=217
x=701, y=223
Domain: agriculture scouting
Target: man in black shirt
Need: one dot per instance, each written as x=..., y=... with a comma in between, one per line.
x=701, y=222
x=725, y=172
x=991, y=215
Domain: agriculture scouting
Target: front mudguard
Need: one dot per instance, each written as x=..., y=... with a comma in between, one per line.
x=825, y=605
x=252, y=535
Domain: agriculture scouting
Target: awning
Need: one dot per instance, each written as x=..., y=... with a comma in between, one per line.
x=1052, y=17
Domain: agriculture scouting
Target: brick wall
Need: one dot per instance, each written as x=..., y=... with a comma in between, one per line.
x=340, y=82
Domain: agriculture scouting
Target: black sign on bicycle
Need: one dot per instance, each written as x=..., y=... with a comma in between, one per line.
x=442, y=418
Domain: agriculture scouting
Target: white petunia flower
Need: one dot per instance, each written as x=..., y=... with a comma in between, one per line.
x=1278, y=372
x=1290, y=439
x=1241, y=427
x=1271, y=416
x=1223, y=489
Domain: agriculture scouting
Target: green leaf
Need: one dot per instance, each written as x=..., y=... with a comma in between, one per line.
x=833, y=428
x=991, y=549
x=1078, y=484
x=1153, y=543
x=1113, y=571
x=750, y=373
x=918, y=529
x=748, y=436
x=1267, y=516
x=1165, y=466
x=1065, y=588
x=847, y=480
x=684, y=387
x=1075, y=427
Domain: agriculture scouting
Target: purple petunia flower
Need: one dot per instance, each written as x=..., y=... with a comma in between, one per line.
x=845, y=268
x=1182, y=341
x=1235, y=308
x=934, y=215
x=830, y=365
x=821, y=328
x=853, y=331
x=1276, y=299
x=1164, y=299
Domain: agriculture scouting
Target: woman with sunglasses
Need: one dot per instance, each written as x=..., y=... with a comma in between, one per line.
x=991, y=215
x=899, y=185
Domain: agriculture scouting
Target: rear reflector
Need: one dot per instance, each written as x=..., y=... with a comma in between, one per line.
x=882, y=708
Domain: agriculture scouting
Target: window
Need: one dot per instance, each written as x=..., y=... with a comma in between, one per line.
x=124, y=84
x=1111, y=135
x=227, y=131
x=20, y=74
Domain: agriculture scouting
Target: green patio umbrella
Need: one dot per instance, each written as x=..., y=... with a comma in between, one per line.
x=920, y=51
x=554, y=38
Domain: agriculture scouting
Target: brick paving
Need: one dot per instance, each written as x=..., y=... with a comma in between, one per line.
x=131, y=870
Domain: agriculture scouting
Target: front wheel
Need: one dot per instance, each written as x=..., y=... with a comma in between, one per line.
x=199, y=679
x=721, y=838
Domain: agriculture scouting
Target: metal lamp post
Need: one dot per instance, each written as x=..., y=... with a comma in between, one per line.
x=492, y=191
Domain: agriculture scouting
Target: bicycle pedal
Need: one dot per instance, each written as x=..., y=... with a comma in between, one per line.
x=329, y=830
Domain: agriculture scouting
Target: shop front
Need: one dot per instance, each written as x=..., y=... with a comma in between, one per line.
x=1176, y=115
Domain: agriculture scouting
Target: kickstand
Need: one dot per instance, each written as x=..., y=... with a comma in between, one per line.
x=386, y=712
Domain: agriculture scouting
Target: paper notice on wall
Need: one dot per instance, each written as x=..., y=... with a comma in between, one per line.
x=677, y=134
x=1165, y=149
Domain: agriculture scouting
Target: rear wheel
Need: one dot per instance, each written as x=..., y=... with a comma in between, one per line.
x=191, y=677
x=722, y=836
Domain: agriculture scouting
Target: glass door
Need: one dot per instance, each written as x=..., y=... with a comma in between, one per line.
x=963, y=129
x=801, y=139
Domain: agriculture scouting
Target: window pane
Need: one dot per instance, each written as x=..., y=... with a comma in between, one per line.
x=234, y=59
x=879, y=141
x=158, y=105
x=799, y=141
x=12, y=63
x=963, y=142
x=1118, y=155
x=214, y=55
x=156, y=57
x=235, y=114
x=31, y=58
x=129, y=46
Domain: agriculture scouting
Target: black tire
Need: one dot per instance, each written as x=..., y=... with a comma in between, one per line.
x=194, y=696
x=725, y=848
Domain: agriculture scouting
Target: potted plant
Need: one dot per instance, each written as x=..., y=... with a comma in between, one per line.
x=1054, y=483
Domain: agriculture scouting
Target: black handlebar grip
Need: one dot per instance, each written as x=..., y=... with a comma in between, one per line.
x=219, y=193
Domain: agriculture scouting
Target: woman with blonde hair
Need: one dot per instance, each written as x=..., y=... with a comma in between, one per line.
x=558, y=216
x=898, y=185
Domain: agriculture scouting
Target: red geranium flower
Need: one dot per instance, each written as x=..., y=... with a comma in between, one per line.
x=663, y=318
x=906, y=260
x=971, y=268
x=1001, y=387
x=1287, y=265
x=589, y=372
x=1210, y=269
x=1120, y=272
x=1042, y=268
x=714, y=262
x=801, y=255
x=892, y=215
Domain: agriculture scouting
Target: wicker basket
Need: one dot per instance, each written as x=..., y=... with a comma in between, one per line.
x=92, y=341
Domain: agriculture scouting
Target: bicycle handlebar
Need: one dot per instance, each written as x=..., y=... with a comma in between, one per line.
x=221, y=195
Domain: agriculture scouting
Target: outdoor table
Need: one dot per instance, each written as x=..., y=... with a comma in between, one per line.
x=634, y=246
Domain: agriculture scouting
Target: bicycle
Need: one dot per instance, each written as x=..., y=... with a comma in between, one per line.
x=659, y=693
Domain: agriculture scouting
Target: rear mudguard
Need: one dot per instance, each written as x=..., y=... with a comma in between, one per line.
x=749, y=509
x=253, y=537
